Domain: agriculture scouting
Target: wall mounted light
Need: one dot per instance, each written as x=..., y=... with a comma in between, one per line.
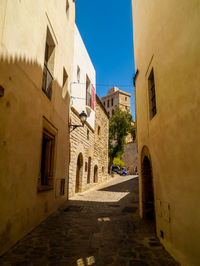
x=83, y=118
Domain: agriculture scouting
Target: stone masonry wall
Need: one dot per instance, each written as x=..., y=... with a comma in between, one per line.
x=130, y=157
x=101, y=140
x=80, y=144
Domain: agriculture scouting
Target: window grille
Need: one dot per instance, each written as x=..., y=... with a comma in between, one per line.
x=152, y=94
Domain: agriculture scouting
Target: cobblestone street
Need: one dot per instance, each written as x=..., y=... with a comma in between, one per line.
x=97, y=227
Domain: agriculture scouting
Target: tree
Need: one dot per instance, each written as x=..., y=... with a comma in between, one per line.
x=119, y=162
x=120, y=126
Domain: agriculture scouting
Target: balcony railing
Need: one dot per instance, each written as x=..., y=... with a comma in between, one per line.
x=47, y=82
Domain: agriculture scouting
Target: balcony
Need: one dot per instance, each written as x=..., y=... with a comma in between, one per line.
x=47, y=82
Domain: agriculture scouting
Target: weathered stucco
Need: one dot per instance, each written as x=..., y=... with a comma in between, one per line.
x=166, y=39
x=25, y=110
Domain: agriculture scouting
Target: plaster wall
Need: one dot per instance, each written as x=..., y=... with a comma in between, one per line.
x=25, y=109
x=166, y=39
x=78, y=89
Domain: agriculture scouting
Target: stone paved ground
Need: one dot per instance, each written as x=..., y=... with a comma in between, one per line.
x=97, y=227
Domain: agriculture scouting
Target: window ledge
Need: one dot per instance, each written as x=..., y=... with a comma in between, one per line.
x=44, y=188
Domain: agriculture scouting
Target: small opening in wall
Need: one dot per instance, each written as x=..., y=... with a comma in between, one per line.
x=161, y=234
x=67, y=7
x=78, y=74
x=99, y=130
x=88, y=134
x=1, y=91
x=65, y=83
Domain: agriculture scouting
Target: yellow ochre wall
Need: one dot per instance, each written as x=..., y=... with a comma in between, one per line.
x=167, y=39
x=24, y=108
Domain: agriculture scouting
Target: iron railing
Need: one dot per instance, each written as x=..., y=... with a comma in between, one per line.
x=47, y=82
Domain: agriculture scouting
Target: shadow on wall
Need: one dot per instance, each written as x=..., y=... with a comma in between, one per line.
x=23, y=107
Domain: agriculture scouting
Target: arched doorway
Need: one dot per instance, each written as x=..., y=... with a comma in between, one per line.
x=79, y=172
x=89, y=170
x=147, y=190
x=95, y=174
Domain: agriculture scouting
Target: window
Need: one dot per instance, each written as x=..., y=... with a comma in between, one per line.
x=152, y=95
x=47, y=165
x=78, y=74
x=48, y=65
x=102, y=170
x=112, y=101
x=99, y=130
x=47, y=162
x=65, y=83
x=108, y=103
x=125, y=98
x=88, y=134
x=88, y=92
x=104, y=104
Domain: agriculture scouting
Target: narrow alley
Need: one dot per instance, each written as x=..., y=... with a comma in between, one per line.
x=97, y=227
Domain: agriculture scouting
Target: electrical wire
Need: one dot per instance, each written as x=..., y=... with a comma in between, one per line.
x=105, y=85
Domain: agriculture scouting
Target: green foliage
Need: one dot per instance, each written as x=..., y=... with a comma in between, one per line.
x=132, y=131
x=120, y=125
x=119, y=162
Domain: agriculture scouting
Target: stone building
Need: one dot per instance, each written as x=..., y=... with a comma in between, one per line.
x=167, y=91
x=36, y=59
x=116, y=97
x=84, y=164
x=101, y=142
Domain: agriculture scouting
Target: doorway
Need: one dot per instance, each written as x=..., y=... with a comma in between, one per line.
x=95, y=174
x=147, y=190
x=79, y=170
x=89, y=169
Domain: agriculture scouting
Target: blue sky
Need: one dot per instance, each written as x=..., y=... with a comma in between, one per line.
x=106, y=29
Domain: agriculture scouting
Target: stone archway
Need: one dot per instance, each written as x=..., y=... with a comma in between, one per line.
x=89, y=170
x=148, y=204
x=79, y=172
x=96, y=174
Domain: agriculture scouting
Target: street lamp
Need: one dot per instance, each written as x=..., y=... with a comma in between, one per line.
x=83, y=118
